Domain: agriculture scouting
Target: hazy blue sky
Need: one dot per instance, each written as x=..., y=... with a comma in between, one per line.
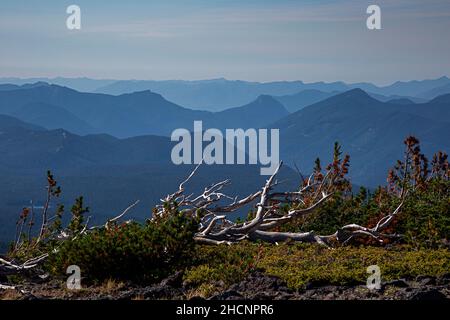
x=249, y=40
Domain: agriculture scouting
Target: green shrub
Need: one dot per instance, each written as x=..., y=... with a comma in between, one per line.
x=425, y=218
x=132, y=251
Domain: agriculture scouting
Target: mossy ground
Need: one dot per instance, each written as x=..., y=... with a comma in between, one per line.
x=299, y=265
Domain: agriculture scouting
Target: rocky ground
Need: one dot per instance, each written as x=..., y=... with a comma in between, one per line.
x=257, y=286
x=261, y=286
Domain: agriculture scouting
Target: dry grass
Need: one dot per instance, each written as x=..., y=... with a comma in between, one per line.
x=9, y=294
x=111, y=286
x=205, y=290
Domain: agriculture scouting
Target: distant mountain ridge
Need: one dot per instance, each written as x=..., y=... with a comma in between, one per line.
x=126, y=115
x=299, y=100
x=435, y=92
x=411, y=88
x=220, y=94
x=305, y=98
x=216, y=94
x=369, y=130
x=354, y=118
x=52, y=117
x=79, y=84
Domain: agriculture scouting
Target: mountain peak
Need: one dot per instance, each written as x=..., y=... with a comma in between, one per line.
x=41, y=83
x=36, y=84
x=142, y=94
x=445, y=98
x=265, y=101
x=27, y=85
x=262, y=104
x=356, y=92
x=264, y=98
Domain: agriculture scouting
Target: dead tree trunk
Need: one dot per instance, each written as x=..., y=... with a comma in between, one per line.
x=215, y=228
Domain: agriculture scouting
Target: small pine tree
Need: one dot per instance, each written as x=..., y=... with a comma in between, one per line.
x=78, y=210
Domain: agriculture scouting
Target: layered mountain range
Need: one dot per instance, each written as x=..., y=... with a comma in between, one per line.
x=114, y=149
x=126, y=115
x=220, y=94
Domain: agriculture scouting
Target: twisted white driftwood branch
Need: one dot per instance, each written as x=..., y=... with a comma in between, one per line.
x=215, y=228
